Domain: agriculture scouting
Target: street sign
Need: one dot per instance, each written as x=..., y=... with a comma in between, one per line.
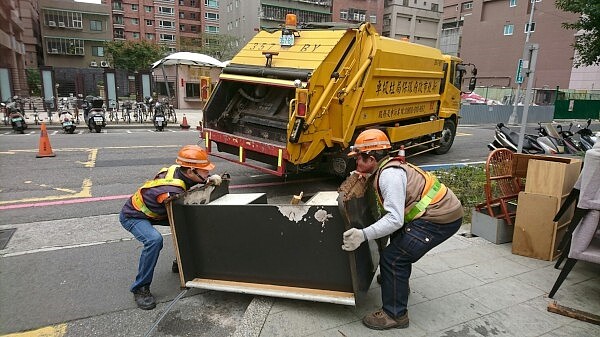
x=519, y=75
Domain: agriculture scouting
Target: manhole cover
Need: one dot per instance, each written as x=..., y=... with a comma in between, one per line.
x=5, y=235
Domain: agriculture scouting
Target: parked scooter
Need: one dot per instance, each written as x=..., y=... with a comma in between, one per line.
x=66, y=120
x=549, y=139
x=572, y=145
x=16, y=118
x=158, y=118
x=586, y=136
x=506, y=138
x=94, y=113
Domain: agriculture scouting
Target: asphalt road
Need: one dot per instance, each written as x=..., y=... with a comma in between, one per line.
x=70, y=263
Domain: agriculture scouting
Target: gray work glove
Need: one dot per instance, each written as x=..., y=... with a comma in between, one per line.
x=215, y=179
x=353, y=238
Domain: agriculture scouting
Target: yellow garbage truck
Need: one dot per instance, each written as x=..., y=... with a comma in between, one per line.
x=294, y=99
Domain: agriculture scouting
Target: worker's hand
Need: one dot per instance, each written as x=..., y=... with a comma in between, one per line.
x=215, y=179
x=352, y=239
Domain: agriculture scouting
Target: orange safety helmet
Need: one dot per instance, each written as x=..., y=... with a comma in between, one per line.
x=370, y=140
x=194, y=156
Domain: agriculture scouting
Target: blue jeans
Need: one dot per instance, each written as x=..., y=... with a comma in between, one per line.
x=407, y=246
x=145, y=233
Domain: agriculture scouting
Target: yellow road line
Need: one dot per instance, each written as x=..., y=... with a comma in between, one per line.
x=86, y=192
x=49, y=331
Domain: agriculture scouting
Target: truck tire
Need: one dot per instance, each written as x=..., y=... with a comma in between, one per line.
x=341, y=165
x=447, y=137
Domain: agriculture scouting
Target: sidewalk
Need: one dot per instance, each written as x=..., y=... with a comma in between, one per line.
x=464, y=287
x=193, y=118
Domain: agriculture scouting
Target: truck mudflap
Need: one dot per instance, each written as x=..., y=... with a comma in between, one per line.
x=239, y=243
x=230, y=145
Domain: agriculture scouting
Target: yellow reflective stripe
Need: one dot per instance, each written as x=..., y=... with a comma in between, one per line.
x=425, y=201
x=138, y=202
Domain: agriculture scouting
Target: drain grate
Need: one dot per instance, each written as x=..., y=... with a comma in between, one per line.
x=5, y=235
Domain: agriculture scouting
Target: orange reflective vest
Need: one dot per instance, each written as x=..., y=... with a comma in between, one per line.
x=137, y=200
x=432, y=193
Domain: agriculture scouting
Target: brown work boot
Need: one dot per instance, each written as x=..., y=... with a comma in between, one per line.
x=379, y=320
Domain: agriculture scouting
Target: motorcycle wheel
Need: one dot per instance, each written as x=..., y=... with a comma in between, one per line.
x=447, y=137
x=70, y=131
x=98, y=128
x=22, y=131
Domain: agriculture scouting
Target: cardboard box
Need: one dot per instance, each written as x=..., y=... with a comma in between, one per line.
x=551, y=177
x=521, y=161
x=494, y=230
x=535, y=234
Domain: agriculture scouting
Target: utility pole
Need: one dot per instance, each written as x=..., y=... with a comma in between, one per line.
x=532, y=50
x=513, y=117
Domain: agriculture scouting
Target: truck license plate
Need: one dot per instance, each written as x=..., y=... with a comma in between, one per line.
x=160, y=119
x=67, y=123
x=286, y=40
x=98, y=119
x=16, y=119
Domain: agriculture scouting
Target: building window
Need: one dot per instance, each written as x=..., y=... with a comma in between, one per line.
x=167, y=37
x=97, y=51
x=211, y=29
x=508, y=29
x=193, y=16
x=435, y=7
x=65, y=46
x=181, y=3
x=467, y=5
x=194, y=28
x=96, y=26
x=166, y=24
x=148, y=9
x=192, y=90
x=343, y=15
x=149, y=36
x=149, y=22
x=373, y=18
x=512, y=3
x=532, y=27
x=134, y=7
x=166, y=10
x=135, y=21
x=182, y=28
x=182, y=15
x=211, y=16
x=136, y=35
x=211, y=3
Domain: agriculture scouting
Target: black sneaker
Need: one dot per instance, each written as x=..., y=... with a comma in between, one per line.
x=143, y=298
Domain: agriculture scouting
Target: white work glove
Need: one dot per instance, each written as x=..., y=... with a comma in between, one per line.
x=215, y=179
x=352, y=239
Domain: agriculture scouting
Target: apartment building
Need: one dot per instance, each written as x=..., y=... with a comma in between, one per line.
x=493, y=38
x=73, y=33
x=19, y=45
x=419, y=21
x=243, y=19
x=356, y=11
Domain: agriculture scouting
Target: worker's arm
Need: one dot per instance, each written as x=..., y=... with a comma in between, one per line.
x=392, y=184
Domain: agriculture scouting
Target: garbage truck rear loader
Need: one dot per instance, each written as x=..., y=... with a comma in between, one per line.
x=294, y=100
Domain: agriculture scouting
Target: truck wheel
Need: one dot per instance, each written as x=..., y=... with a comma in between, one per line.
x=447, y=137
x=98, y=128
x=341, y=165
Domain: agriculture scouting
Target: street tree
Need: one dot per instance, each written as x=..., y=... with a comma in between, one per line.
x=221, y=47
x=587, y=43
x=135, y=55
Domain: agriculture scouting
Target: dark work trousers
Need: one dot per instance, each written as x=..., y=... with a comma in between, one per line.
x=407, y=246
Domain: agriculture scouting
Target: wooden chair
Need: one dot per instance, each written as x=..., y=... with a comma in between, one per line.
x=501, y=187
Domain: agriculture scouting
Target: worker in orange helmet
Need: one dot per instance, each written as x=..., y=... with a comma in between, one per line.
x=146, y=208
x=412, y=207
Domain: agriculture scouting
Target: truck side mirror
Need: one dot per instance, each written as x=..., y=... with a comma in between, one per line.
x=472, y=83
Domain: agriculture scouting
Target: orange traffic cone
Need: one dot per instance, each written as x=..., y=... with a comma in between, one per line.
x=184, y=125
x=45, y=147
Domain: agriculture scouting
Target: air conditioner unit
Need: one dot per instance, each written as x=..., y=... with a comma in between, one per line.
x=61, y=24
x=93, y=64
x=51, y=23
x=104, y=64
